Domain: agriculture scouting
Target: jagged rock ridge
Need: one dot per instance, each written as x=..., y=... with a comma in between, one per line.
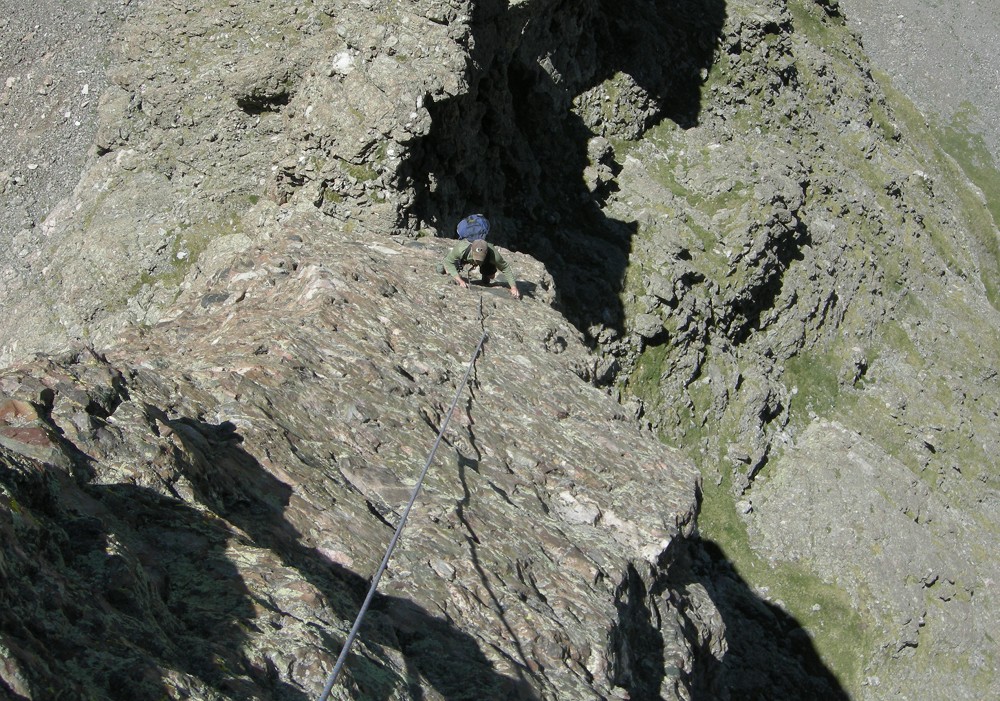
x=198, y=510
x=762, y=247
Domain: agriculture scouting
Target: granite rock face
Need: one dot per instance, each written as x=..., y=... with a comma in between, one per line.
x=826, y=280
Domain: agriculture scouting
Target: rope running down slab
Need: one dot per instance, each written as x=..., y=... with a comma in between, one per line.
x=399, y=529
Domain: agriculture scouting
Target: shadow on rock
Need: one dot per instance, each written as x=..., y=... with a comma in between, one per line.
x=111, y=585
x=240, y=490
x=770, y=656
x=552, y=87
x=765, y=654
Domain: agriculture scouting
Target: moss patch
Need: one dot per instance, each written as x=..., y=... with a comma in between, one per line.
x=971, y=153
x=645, y=379
x=814, y=377
x=186, y=246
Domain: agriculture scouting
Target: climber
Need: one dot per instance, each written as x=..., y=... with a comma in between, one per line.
x=482, y=255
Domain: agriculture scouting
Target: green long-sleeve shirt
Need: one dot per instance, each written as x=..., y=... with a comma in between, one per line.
x=458, y=257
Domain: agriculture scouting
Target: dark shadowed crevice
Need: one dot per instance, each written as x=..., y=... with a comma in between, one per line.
x=637, y=641
x=747, y=648
x=747, y=311
x=259, y=103
x=516, y=144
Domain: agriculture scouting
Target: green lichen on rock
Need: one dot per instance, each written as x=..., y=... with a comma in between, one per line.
x=887, y=255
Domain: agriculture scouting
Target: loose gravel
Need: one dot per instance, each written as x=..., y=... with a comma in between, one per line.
x=944, y=55
x=53, y=68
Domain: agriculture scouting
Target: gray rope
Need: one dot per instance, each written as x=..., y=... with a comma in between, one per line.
x=399, y=529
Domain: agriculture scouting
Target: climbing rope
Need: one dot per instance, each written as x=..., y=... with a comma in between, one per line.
x=399, y=529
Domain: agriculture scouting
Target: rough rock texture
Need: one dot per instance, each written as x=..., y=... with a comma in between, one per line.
x=53, y=64
x=927, y=554
x=719, y=216
x=53, y=60
x=197, y=511
x=940, y=55
x=795, y=278
x=385, y=118
x=809, y=266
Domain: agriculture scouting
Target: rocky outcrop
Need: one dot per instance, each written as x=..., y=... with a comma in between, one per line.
x=784, y=285
x=386, y=119
x=197, y=511
x=719, y=218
